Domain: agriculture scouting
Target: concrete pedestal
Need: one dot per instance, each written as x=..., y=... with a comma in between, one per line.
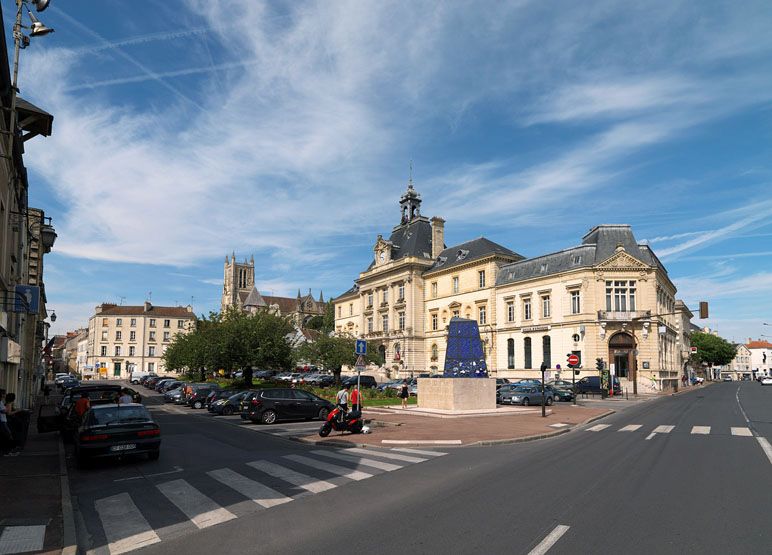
x=457, y=393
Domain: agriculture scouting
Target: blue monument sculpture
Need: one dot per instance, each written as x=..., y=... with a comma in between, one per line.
x=464, y=357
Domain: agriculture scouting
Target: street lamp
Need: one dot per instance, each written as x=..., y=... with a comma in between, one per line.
x=52, y=316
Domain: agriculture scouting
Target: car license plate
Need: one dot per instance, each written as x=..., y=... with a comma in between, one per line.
x=126, y=447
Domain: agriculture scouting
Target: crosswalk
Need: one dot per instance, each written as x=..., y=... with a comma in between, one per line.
x=129, y=521
x=664, y=429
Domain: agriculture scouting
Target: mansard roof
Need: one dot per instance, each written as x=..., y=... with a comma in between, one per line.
x=466, y=252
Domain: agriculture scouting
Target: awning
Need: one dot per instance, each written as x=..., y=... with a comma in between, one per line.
x=33, y=120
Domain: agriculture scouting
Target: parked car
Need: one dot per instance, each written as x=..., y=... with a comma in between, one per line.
x=62, y=377
x=197, y=397
x=527, y=395
x=766, y=380
x=366, y=382
x=591, y=384
x=136, y=377
x=501, y=381
x=170, y=385
x=172, y=395
x=269, y=405
x=216, y=395
x=117, y=430
x=289, y=377
x=69, y=382
x=230, y=405
x=159, y=386
x=144, y=379
x=565, y=384
x=561, y=393
x=726, y=379
x=393, y=384
x=264, y=374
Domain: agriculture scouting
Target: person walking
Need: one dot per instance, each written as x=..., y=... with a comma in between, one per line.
x=6, y=438
x=356, y=401
x=404, y=393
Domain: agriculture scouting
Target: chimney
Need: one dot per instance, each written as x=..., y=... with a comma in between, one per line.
x=148, y=306
x=438, y=236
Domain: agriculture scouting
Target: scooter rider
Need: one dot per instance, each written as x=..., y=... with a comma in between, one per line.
x=342, y=400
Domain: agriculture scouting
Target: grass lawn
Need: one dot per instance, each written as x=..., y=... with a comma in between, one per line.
x=392, y=401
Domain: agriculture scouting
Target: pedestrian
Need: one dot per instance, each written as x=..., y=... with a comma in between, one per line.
x=404, y=393
x=125, y=398
x=6, y=438
x=683, y=380
x=342, y=400
x=356, y=401
x=82, y=405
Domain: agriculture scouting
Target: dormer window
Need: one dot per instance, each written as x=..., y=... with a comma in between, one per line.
x=461, y=254
x=543, y=268
x=441, y=260
x=577, y=259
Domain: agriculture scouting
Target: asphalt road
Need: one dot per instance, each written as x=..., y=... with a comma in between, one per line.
x=683, y=474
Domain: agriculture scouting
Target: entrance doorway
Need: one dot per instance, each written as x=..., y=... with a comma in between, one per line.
x=622, y=354
x=116, y=369
x=622, y=365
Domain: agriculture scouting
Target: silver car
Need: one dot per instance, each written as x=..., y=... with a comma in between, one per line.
x=526, y=396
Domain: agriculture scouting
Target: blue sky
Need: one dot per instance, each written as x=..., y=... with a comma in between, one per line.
x=188, y=129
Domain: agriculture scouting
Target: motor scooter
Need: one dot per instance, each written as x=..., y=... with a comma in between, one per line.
x=349, y=422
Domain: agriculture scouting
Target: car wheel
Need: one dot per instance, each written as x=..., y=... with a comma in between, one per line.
x=323, y=413
x=197, y=404
x=549, y=401
x=526, y=402
x=153, y=455
x=227, y=411
x=268, y=416
x=325, y=430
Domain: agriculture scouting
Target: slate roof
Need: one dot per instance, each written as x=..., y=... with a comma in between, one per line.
x=353, y=292
x=471, y=250
x=155, y=311
x=412, y=239
x=254, y=298
x=598, y=245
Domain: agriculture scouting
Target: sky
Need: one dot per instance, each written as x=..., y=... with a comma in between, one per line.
x=186, y=130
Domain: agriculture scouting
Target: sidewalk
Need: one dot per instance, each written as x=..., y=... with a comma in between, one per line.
x=392, y=428
x=31, y=496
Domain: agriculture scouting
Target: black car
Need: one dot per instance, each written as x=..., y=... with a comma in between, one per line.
x=117, y=430
x=229, y=405
x=143, y=380
x=216, y=395
x=197, y=397
x=366, y=382
x=561, y=393
x=591, y=384
x=269, y=405
x=68, y=382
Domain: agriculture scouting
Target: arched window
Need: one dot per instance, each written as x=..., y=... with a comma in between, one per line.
x=527, y=352
x=510, y=353
x=435, y=352
x=546, y=346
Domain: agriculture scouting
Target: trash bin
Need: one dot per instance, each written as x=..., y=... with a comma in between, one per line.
x=18, y=422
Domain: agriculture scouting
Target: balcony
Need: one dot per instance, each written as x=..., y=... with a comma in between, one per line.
x=623, y=316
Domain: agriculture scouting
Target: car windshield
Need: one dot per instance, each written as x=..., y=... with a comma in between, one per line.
x=119, y=414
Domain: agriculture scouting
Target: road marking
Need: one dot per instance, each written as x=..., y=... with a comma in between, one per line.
x=393, y=456
x=598, y=427
x=20, y=539
x=746, y=432
x=257, y=492
x=202, y=511
x=559, y=425
x=630, y=428
x=766, y=447
x=288, y=475
x=418, y=451
x=175, y=471
x=331, y=468
x=651, y=435
x=125, y=527
x=388, y=467
x=422, y=441
x=663, y=429
x=550, y=540
x=701, y=430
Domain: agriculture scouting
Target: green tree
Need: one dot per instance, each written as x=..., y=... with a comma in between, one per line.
x=333, y=352
x=712, y=350
x=328, y=321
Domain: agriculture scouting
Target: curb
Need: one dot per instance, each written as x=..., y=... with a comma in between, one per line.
x=69, y=539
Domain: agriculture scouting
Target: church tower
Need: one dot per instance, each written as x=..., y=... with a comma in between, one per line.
x=410, y=204
x=238, y=281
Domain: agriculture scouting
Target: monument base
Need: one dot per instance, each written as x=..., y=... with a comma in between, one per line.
x=457, y=393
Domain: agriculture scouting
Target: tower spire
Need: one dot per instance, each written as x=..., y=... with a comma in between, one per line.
x=410, y=178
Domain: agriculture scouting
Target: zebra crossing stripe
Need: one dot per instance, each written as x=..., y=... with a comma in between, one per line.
x=257, y=492
x=328, y=467
x=385, y=455
x=124, y=526
x=598, y=427
x=288, y=475
x=663, y=429
x=21, y=539
x=202, y=511
x=746, y=432
x=418, y=452
x=363, y=461
x=701, y=430
x=630, y=428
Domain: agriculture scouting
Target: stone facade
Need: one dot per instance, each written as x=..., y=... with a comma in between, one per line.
x=609, y=297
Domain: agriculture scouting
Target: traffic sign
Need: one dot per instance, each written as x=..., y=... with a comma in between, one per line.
x=693, y=349
x=360, y=347
x=360, y=364
x=573, y=360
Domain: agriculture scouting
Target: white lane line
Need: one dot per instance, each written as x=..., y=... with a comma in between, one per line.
x=201, y=510
x=21, y=539
x=422, y=441
x=381, y=465
x=663, y=429
x=598, y=427
x=328, y=467
x=125, y=527
x=389, y=455
x=745, y=432
x=257, y=492
x=418, y=451
x=766, y=447
x=296, y=478
x=701, y=430
x=550, y=540
x=630, y=428
x=651, y=435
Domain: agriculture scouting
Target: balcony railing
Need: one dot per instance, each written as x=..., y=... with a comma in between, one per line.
x=623, y=316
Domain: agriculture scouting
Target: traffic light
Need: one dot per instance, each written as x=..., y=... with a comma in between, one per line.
x=599, y=364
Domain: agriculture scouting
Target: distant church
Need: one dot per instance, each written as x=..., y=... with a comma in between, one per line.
x=239, y=290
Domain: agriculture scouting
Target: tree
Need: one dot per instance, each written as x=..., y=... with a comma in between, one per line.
x=712, y=350
x=332, y=352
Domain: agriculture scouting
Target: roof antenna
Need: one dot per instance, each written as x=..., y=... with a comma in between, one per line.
x=410, y=179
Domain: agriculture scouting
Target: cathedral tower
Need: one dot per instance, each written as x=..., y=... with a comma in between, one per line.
x=238, y=281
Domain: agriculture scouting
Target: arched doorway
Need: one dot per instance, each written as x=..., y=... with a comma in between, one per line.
x=621, y=353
